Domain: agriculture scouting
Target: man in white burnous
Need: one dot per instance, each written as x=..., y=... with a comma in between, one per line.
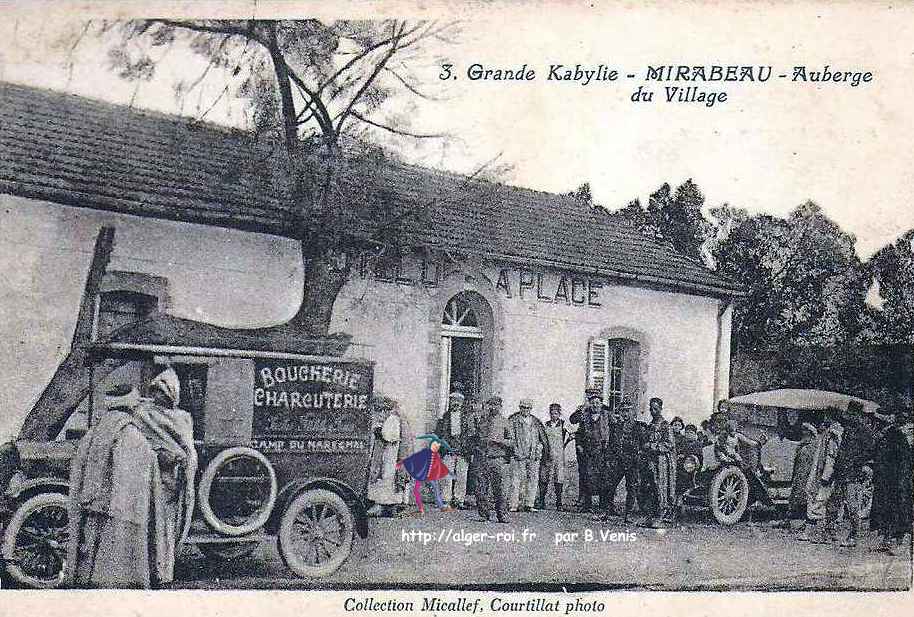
x=132, y=490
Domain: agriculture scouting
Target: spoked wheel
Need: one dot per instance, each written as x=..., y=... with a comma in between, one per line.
x=729, y=495
x=316, y=533
x=35, y=541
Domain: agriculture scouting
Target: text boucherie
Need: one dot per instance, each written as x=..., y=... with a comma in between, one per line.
x=271, y=376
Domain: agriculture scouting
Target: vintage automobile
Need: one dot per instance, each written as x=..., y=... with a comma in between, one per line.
x=281, y=427
x=774, y=419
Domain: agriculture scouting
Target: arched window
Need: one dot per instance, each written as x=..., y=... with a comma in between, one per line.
x=466, y=342
x=460, y=318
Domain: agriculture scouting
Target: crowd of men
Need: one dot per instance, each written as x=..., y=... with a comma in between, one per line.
x=510, y=463
x=850, y=449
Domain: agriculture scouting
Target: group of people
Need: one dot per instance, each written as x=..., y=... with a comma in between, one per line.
x=509, y=464
x=850, y=449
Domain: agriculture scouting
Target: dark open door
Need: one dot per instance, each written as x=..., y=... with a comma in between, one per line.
x=465, y=365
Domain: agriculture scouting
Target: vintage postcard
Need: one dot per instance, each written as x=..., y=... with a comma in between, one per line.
x=471, y=308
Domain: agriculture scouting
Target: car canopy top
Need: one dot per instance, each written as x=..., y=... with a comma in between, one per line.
x=801, y=399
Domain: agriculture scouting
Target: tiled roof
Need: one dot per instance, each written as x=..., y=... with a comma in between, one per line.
x=75, y=151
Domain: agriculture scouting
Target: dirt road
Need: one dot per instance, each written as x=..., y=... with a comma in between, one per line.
x=549, y=550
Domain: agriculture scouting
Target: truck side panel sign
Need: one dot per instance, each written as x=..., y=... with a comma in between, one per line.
x=311, y=408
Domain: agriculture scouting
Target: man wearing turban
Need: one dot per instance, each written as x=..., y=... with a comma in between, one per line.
x=131, y=490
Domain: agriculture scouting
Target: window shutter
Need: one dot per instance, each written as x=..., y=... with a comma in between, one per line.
x=596, y=364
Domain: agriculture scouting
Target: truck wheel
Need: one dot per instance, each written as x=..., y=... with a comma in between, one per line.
x=729, y=495
x=35, y=541
x=316, y=533
x=227, y=551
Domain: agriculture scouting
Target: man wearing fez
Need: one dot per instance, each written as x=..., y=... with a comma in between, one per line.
x=495, y=448
x=592, y=419
x=530, y=446
x=658, y=466
x=132, y=490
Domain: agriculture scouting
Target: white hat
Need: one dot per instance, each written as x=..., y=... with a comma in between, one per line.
x=167, y=383
x=456, y=395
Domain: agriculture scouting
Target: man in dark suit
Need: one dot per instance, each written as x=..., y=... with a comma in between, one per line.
x=591, y=437
x=623, y=450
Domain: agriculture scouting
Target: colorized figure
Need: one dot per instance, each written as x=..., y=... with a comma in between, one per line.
x=426, y=466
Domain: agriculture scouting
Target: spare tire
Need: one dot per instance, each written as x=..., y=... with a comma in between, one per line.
x=237, y=491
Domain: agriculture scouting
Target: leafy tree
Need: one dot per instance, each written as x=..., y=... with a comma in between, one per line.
x=806, y=286
x=640, y=217
x=316, y=95
x=673, y=216
x=892, y=268
x=678, y=215
x=582, y=194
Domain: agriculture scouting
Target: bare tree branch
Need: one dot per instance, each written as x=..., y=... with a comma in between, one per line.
x=322, y=114
x=410, y=87
x=344, y=115
x=359, y=56
x=212, y=29
x=430, y=32
x=397, y=131
x=70, y=63
x=209, y=66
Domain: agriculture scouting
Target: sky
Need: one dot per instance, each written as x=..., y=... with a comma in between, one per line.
x=768, y=148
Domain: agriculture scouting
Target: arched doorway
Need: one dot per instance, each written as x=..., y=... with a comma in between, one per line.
x=465, y=346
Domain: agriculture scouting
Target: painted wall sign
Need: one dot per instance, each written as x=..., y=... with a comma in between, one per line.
x=547, y=287
x=321, y=407
x=407, y=269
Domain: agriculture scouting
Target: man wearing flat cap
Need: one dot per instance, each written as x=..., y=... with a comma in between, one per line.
x=530, y=445
x=453, y=427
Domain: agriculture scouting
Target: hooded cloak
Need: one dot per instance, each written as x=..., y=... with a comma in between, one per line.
x=425, y=465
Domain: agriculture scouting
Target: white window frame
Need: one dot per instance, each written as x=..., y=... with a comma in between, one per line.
x=601, y=368
x=449, y=331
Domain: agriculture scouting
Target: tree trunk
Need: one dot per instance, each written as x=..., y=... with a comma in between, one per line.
x=323, y=281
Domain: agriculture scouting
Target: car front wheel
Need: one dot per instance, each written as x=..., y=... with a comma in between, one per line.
x=729, y=495
x=35, y=541
x=316, y=533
